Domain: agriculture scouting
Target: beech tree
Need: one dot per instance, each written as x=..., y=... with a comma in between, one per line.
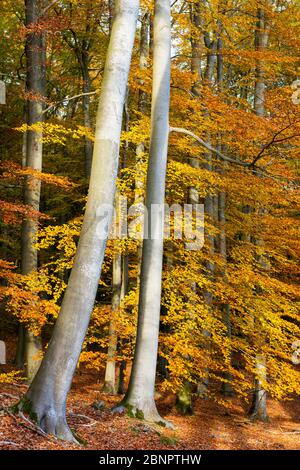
x=140, y=394
x=258, y=408
x=47, y=394
x=34, y=50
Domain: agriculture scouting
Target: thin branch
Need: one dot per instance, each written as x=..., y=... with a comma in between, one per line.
x=208, y=146
x=9, y=395
x=179, y=12
x=54, y=105
x=92, y=422
x=48, y=7
x=32, y=426
x=258, y=170
x=272, y=142
x=189, y=92
x=9, y=443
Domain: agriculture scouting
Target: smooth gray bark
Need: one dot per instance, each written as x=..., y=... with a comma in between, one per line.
x=140, y=148
x=110, y=370
x=124, y=289
x=139, y=398
x=88, y=144
x=118, y=286
x=33, y=159
x=48, y=392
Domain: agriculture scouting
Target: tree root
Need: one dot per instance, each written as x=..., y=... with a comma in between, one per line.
x=45, y=420
x=9, y=443
x=50, y=423
x=149, y=416
x=92, y=422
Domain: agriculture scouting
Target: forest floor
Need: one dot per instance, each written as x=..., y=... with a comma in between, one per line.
x=212, y=426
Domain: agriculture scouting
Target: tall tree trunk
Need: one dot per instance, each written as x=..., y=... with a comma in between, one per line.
x=139, y=398
x=209, y=209
x=111, y=7
x=20, y=350
x=226, y=386
x=48, y=392
x=110, y=370
x=118, y=280
x=124, y=289
x=184, y=403
x=140, y=148
x=88, y=144
x=34, y=155
x=258, y=410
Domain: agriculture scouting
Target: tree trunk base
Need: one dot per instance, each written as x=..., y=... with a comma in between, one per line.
x=144, y=410
x=226, y=389
x=257, y=415
x=20, y=347
x=184, y=403
x=33, y=355
x=48, y=418
x=121, y=379
x=258, y=410
x=109, y=388
x=202, y=390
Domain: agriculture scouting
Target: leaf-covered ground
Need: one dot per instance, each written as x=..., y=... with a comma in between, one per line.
x=211, y=427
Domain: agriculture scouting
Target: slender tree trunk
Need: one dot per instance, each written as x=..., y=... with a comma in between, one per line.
x=196, y=20
x=111, y=7
x=121, y=378
x=118, y=282
x=20, y=351
x=139, y=398
x=140, y=149
x=110, y=370
x=47, y=394
x=202, y=387
x=226, y=386
x=88, y=144
x=20, y=347
x=209, y=211
x=34, y=155
x=184, y=404
x=124, y=289
x=258, y=410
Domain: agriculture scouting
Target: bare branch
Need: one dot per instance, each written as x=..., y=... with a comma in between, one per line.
x=257, y=170
x=9, y=443
x=273, y=141
x=54, y=105
x=92, y=422
x=208, y=146
x=48, y=7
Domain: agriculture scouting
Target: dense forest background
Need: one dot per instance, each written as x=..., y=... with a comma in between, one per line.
x=228, y=313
